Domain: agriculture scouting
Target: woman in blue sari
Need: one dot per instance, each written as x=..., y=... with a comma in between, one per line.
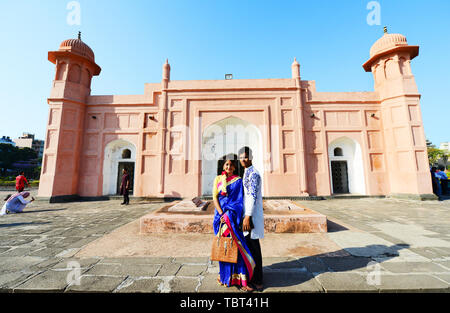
x=228, y=200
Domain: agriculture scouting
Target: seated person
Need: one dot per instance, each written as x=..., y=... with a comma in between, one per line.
x=16, y=203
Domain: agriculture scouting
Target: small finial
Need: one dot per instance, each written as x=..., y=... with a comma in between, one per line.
x=295, y=59
x=167, y=61
x=79, y=35
x=385, y=30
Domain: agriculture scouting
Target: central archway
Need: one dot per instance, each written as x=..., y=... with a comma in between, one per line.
x=224, y=137
x=346, y=167
x=119, y=154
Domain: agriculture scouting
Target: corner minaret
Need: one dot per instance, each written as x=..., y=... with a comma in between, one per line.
x=71, y=87
x=163, y=108
x=401, y=118
x=295, y=69
x=166, y=74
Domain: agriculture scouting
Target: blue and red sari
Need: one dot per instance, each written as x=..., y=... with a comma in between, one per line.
x=232, y=204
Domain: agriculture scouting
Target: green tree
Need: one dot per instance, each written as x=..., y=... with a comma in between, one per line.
x=10, y=154
x=434, y=154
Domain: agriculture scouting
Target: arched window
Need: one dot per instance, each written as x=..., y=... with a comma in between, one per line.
x=404, y=66
x=87, y=78
x=62, y=68
x=74, y=73
x=126, y=154
x=338, y=152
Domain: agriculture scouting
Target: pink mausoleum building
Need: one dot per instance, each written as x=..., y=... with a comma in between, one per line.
x=305, y=143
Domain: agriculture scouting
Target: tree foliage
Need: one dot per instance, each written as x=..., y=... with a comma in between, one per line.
x=10, y=154
x=434, y=154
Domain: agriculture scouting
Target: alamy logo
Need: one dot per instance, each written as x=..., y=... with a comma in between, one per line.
x=73, y=278
x=374, y=16
x=74, y=16
x=374, y=276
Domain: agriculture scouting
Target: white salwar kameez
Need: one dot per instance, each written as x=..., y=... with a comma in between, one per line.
x=15, y=205
x=253, y=204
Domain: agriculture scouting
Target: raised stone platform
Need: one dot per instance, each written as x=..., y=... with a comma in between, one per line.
x=193, y=205
x=283, y=205
x=294, y=219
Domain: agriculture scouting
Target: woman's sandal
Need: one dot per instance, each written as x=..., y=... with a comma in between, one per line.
x=247, y=289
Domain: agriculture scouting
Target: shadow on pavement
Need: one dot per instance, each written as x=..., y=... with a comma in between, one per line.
x=295, y=272
x=22, y=224
x=38, y=211
x=333, y=227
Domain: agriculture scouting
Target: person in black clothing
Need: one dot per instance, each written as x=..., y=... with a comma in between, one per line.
x=125, y=187
x=435, y=182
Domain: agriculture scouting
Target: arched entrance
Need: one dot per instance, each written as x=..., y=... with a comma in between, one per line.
x=224, y=137
x=119, y=154
x=346, y=167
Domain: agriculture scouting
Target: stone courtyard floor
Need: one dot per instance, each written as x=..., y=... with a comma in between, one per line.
x=373, y=245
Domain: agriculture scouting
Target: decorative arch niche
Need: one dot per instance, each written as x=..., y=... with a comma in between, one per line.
x=405, y=68
x=62, y=68
x=87, y=78
x=338, y=152
x=126, y=154
x=74, y=73
x=224, y=137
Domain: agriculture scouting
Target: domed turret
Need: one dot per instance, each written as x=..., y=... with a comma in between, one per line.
x=387, y=44
x=76, y=49
x=77, y=46
x=388, y=41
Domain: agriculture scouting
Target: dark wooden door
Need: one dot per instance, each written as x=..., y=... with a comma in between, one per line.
x=130, y=168
x=339, y=175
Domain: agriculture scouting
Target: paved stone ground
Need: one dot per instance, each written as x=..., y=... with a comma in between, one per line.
x=390, y=245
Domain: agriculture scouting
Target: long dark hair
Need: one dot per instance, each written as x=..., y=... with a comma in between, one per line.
x=7, y=197
x=229, y=157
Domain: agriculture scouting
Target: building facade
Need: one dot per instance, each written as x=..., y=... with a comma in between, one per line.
x=443, y=162
x=445, y=146
x=28, y=141
x=171, y=137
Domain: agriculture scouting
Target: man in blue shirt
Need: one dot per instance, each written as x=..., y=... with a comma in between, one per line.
x=439, y=174
x=436, y=184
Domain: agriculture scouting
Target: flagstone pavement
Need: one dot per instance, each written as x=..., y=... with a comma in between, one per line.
x=388, y=245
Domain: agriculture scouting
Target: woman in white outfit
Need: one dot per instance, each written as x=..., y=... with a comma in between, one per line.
x=16, y=203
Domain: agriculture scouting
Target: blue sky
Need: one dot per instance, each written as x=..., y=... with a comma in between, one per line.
x=204, y=39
